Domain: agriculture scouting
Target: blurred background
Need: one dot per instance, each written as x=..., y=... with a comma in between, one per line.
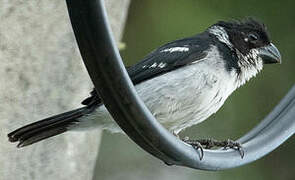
x=152, y=23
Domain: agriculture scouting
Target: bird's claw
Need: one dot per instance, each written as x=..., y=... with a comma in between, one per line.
x=196, y=145
x=234, y=145
x=209, y=143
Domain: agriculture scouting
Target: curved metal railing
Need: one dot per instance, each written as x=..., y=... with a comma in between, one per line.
x=105, y=67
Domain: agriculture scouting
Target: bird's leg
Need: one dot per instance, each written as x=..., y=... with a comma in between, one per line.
x=175, y=134
x=210, y=143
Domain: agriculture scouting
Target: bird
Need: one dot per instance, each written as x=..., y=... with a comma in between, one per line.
x=182, y=82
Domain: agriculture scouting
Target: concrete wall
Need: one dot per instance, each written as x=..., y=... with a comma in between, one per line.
x=41, y=74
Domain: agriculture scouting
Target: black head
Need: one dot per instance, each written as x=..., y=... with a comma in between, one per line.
x=249, y=35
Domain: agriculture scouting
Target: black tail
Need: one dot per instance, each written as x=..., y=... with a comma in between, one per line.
x=46, y=128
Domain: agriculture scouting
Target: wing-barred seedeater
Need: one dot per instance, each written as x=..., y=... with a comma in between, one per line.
x=182, y=82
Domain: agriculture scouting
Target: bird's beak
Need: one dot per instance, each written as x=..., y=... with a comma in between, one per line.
x=270, y=54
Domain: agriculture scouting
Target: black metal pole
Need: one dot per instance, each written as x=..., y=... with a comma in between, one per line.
x=111, y=80
x=105, y=67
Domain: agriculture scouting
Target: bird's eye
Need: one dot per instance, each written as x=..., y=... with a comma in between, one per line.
x=253, y=37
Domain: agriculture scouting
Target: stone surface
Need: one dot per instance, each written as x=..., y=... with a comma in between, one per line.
x=41, y=74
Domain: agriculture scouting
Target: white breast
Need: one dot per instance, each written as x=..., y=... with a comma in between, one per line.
x=188, y=95
x=180, y=98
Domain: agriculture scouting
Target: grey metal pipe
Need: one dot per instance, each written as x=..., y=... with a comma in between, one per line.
x=110, y=78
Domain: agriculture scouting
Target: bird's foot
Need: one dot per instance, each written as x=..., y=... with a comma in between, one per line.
x=210, y=143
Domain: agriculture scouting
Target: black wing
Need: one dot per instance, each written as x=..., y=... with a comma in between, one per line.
x=169, y=57
x=164, y=59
